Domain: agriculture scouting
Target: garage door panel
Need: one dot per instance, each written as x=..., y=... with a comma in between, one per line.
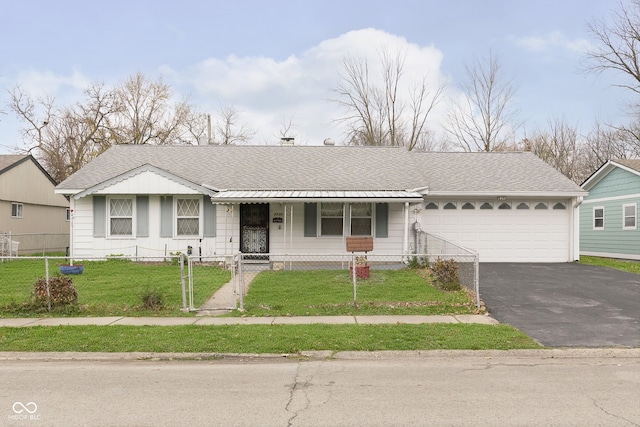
x=504, y=235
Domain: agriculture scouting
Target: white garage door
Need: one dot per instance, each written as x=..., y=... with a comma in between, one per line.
x=504, y=235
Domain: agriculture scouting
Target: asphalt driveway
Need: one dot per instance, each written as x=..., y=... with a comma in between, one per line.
x=565, y=305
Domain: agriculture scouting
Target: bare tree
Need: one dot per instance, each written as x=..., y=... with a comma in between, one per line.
x=618, y=45
x=559, y=146
x=229, y=129
x=146, y=115
x=64, y=138
x=483, y=119
x=379, y=113
x=617, y=48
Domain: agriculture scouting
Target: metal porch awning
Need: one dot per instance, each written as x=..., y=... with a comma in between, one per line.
x=292, y=196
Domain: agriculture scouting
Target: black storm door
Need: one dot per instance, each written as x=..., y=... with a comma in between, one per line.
x=254, y=228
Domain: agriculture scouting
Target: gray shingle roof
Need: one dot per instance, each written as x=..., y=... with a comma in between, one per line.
x=7, y=160
x=328, y=168
x=491, y=172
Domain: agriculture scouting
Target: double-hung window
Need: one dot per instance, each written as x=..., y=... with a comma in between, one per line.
x=188, y=216
x=598, y=218
x=121, y=216
x=331, y=219
x=361, y=219
x=16, y=210
x=629, y=216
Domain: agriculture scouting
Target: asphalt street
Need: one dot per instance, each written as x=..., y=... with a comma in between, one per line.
x=437, y=388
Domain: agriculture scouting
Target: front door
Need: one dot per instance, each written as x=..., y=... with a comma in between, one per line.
x=254, y=228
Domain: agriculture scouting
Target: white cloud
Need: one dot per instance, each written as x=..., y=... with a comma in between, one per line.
x=551, y=40
x=48, y=83
x=268, y=91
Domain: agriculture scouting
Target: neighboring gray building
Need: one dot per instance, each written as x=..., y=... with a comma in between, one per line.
x=609, y=215
x=151, y=200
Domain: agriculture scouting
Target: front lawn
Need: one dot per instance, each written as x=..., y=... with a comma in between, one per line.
x=618, y=264
x=330, y=293
x=107, y=288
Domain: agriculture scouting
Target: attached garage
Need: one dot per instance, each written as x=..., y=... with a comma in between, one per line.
x=504, y=231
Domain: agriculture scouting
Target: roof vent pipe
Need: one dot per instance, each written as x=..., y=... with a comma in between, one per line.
x=329, y=142
x=288, y=141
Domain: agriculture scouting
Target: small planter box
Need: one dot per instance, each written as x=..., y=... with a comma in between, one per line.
x=362, y=272
x=71, y=269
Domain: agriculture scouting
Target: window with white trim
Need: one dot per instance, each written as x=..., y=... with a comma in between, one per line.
x=598, y=217
x=16, y=210
x=121, y=216
x=188, y=216
x=629, y=216
x=361, y=219
x=331, y=219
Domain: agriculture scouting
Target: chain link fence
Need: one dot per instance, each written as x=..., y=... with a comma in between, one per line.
x=33, y=243
x=431, y=248
x=119, y=281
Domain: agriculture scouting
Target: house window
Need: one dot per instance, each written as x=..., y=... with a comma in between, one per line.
x=486, y=205
x=16, y=210
x=331, y=219
x=188, y=217
x=629, y=216
x=361, y=219
x=431, y=205
x=505, y=205
x=541, y=206
x=68, y=214
x=598, y=218
x=121, y=216
x=523, y=205
x=560, y=206
x=450, y=205
x=468, y=205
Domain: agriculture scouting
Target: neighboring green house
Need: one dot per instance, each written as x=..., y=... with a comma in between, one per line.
x=609, y=214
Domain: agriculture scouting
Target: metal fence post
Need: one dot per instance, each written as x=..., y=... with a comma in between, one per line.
x=354, y=273
x=184, y=292
x=241, y=278
x=46, y=269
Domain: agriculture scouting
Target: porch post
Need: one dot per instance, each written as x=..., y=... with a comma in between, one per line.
x=405, y=243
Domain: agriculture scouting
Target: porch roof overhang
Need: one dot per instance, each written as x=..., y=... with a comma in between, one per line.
x=292, y=196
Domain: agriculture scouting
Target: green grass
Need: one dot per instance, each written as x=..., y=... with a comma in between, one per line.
x=107, y=288
x=330, y=293
x=263, y=338
x=630, y=266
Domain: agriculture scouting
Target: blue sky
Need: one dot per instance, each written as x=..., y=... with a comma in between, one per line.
x=277, y=60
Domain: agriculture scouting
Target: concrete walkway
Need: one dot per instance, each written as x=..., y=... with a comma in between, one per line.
x=299, y=320
x=224, y=300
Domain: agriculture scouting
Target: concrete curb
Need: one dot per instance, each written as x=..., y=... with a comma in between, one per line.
x=560, y=354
